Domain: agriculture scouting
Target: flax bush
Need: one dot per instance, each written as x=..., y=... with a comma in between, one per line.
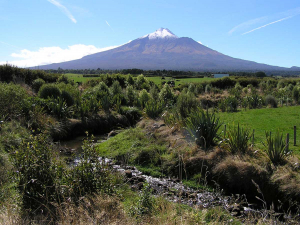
x=275, y=148
x=238, y=139
x=204, y=127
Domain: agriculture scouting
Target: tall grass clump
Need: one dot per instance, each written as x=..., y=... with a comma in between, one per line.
x=204, y=126
x=154, y=108
x=238, y=139
x=275, y=148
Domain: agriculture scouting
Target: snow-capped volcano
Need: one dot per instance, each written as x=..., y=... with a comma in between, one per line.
x=161, y=33
x=162, y=50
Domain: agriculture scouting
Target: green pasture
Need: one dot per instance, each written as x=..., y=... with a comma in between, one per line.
x=79, y=77
x=267, y=119
x=158, y=80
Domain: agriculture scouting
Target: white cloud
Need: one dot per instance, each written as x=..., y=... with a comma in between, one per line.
x=63, y=9
x=48, y=55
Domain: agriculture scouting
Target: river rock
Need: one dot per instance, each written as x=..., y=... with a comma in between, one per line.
x=128, y=173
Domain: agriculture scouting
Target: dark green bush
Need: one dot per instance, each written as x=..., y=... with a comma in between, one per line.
x=49, y=91
x=271, y=100
x=37, y=84
x=223, y=83
x=204, y=127
x=64, y=79
x=133, y=114
x=67, y=97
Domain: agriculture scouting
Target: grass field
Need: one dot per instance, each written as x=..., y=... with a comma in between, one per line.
x=79, y=77
x=158, y=80
x=268, y=119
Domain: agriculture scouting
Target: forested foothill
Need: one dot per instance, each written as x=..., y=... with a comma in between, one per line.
x=217, y=137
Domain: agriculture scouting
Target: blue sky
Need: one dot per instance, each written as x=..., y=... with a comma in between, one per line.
x=45, y=31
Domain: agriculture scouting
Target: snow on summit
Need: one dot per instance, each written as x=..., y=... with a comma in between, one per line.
x=161, y=33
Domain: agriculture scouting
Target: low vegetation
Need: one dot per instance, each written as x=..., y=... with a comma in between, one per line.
x=165, y=129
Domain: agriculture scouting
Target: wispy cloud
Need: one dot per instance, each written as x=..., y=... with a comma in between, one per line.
x=109, y=25
x=63, y=9
x=247, y=24
x=277, y=21
x=264, y=21
x=4, y=43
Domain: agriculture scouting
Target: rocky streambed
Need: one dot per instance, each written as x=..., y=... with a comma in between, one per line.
x=172, y=188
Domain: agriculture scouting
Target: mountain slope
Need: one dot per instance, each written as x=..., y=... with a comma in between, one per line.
x=162, y=50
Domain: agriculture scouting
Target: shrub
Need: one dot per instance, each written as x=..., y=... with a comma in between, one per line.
x=238, y=139
x=154, y=108
x=37, y=84
x=144, y=98
x=11, y=96
x=66, y=96
x=204, y=127
x=223, y=83
x=60, y=109
x=130, y=80
x=232, y=104
x=166, y=95
x=222, y=105
x=36, y=175
x=185, y=103
x=49, y=91
x=255, y=101
x=131, y=96
x=142, y=83
x=208, y=88
x=296, y=94
x=89, y=176
x=116, y=89
x=154, y=92
x=271, y=100
x=275, y=148
x=64, y=79
x=133, y=114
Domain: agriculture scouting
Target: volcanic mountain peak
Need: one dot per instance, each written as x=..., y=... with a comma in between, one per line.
x=161, y=33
